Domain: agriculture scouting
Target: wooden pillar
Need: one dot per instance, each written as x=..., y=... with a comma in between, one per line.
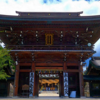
x=61, y=80
x=36, y=84
x=65, y=67
x=81, y=81
x=16, y=80
x=33, y=70
x=60, y=85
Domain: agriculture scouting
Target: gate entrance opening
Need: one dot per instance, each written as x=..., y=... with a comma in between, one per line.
x=49, y=84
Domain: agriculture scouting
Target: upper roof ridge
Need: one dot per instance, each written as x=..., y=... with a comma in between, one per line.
x=50, y=14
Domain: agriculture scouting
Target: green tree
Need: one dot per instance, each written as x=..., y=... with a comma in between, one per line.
x=5, y=59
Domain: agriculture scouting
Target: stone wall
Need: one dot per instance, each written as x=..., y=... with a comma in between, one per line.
x=86, y=89
x=11, y=89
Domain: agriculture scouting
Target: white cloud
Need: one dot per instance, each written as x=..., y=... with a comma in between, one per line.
x=10, y=6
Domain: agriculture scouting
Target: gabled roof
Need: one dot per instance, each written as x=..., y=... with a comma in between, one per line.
x=93, y=63
x=49, y=14
x=88, y=27
x=19, y=12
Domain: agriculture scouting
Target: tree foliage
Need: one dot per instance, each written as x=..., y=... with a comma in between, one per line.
x=5, y=59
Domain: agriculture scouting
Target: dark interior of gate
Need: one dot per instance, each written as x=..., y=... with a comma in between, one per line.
x=74, y=83
x=47, y=81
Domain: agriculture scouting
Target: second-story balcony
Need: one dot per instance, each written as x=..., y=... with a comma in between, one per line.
x=49, y=47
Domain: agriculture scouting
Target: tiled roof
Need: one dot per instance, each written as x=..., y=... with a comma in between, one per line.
x=93, y=63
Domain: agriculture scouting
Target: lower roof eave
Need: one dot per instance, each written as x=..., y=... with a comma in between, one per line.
x=91, y=77
x=92, y=51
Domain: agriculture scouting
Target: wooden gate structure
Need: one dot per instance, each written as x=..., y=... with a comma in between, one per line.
x=50, y=41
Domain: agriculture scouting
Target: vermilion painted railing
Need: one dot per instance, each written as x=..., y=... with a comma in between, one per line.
x=46, y=47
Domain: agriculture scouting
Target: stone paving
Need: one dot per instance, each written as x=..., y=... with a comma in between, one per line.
x=49, y=98
x=50, y=95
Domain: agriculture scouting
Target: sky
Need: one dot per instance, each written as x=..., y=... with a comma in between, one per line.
x=89, y=7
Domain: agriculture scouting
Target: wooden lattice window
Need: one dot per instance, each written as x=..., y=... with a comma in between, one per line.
x=49, y=39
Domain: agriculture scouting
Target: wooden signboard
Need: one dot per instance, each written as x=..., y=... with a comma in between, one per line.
x=65, y=75
x=31, y=84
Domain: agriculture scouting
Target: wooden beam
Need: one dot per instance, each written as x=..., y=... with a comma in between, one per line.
x=72, y=70
x=25, y=64
x=23, y=70
x=72, y=64
x=49, y=64
x=51, y=27
x=61, y=68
